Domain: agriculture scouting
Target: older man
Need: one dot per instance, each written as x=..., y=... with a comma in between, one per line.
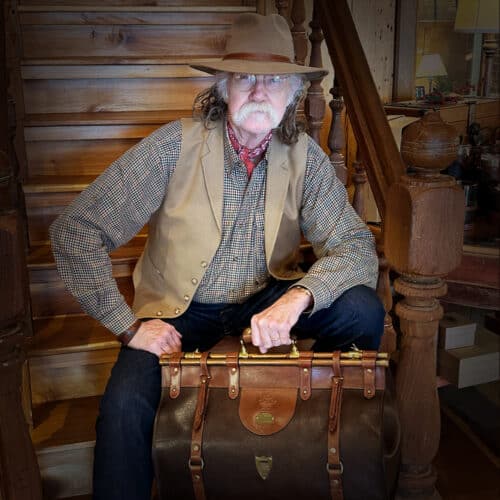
x=227, y=197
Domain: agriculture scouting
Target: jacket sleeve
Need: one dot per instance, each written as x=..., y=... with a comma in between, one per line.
x=110, y=212
x=342, y=243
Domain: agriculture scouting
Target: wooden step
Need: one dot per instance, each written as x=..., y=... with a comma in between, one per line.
x=200, y=8
x=55, y=15
x=50, y=297
x=46, y=198
x=55, y=184
x=112, y=94
x=69, y=334
x=157, y=117
x=70, y=356
x=84, y=144
x=42, y=268
x=64, y=439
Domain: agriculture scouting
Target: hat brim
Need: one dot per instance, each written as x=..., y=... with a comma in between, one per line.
x=261, y=68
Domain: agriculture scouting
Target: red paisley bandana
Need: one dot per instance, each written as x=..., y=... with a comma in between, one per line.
x=250, y=157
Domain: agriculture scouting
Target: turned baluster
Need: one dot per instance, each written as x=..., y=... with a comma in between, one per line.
x=336, y=136
x=359, y=180
x=389, y=339
x=314, y=105
x=423, y=230
x=298, y=16
x=282, y=7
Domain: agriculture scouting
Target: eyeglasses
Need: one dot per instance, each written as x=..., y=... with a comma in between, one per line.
x=245, y=82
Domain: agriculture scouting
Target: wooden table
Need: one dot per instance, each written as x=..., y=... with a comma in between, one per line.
x=483, y=110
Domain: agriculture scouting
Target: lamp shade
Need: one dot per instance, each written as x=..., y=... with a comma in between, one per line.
x=431, y=65
x=478, y=16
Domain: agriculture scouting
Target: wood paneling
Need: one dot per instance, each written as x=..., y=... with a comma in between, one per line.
x=132, y=16
x=72, y=157
x=101, y=71
x=95, y=95
x=142, y=4
x=374, y=22
x=78, y=133
x=405, y=50
x=117, y=41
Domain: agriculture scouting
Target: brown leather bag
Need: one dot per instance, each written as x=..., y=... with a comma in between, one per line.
x=301, y=425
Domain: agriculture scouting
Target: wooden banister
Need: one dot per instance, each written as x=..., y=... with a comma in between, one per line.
x=19, y=474
x=379, y=151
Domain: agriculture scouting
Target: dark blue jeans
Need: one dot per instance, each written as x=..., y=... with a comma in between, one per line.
x=123, y=468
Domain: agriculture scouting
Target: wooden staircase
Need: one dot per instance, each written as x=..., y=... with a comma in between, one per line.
x=91, y=81
x=88, y=80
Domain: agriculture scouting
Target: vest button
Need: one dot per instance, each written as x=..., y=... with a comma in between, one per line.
x=177, y=310
x=203, y=263
x=194, y=281
x=159, y=313
x=186, y=298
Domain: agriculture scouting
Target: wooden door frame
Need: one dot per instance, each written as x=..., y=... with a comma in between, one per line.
x=405, y=50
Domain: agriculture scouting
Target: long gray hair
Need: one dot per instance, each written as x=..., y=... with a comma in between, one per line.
x=210, y=105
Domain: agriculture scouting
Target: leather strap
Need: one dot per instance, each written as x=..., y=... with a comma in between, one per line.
x=305, y=365
x=127, y=335
x=255, y=56
x=175, y=374
x=196, y=463
x=233, y=374
x=334, y=465
x=368, y=364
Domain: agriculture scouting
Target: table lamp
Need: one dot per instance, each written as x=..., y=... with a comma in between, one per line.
x=481, y=16
x=430, y=66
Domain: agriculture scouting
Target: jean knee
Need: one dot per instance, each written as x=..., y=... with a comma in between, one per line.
x=370, y=316
x=371, y=313
x=131, y=397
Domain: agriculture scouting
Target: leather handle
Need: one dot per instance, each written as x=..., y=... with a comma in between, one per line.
x=246, y=337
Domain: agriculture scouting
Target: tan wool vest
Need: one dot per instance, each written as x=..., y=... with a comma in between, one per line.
x=185, y=232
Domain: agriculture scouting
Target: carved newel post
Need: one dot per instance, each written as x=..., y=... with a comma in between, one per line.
x=423, y=242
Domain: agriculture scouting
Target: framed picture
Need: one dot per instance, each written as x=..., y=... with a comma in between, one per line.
x=419, y=92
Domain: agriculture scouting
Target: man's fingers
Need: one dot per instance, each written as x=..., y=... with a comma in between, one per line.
x=157, y=337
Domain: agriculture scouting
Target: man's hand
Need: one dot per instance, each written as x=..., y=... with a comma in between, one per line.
x=271, y=327
x=156, y=337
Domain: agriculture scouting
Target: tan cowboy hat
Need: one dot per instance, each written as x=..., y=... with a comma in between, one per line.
x=260, y=45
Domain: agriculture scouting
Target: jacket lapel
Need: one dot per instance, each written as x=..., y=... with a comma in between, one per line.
x=278, y=176
x=212, y=163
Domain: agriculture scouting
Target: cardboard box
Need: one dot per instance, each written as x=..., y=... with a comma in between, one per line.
x=472, y=365
x=456, y=331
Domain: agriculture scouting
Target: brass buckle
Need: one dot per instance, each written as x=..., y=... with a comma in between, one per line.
x=335, y=467
x=200, y=464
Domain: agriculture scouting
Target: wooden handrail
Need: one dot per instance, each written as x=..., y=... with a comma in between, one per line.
x=380, y=153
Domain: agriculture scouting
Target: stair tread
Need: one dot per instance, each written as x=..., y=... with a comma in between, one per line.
x=41, y=257
x=49, y=7
x=77, y=60
x=71, y=333
x=57, y=183
x=64, y=423
x=105, y=118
